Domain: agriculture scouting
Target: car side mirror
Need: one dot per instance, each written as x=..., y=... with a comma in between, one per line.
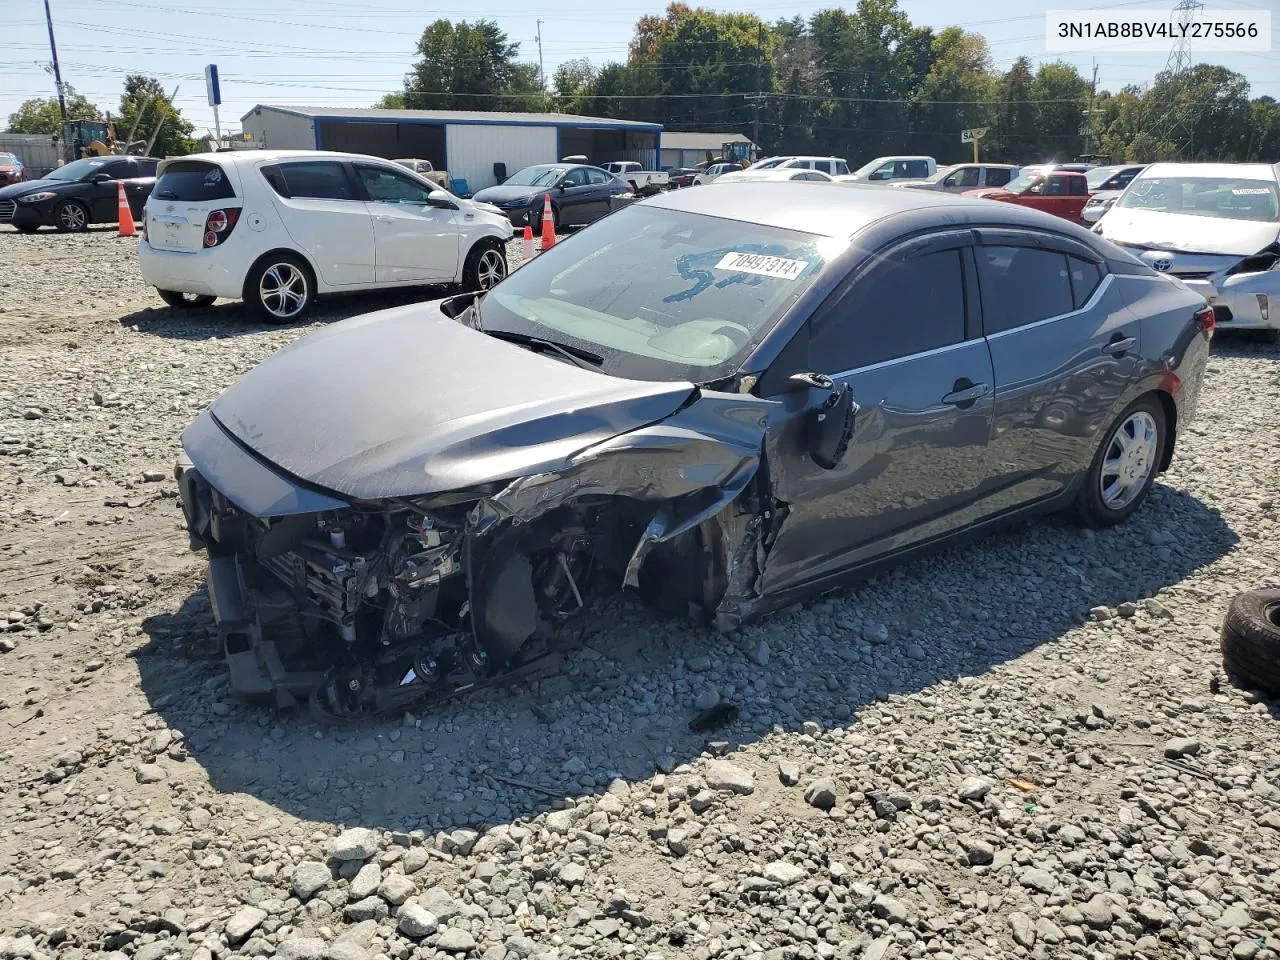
x=441, y=200
x=830, y=419
x=99, y=178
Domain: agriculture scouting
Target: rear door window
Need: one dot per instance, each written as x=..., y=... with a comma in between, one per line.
x=316, y=180
x=1077, y=186
x=598, y=177
x=193, y=180
x=918, y=168
x=823, y=165
x=1022, y=285
x=1085, y=277
x=842, y=168
x=998, y=176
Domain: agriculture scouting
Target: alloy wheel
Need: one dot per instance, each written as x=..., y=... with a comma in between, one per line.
x=72, y=216
x=283, y=290
x=490, y=269
x=1130, y=459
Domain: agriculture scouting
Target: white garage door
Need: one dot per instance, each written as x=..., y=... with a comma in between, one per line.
x=474, y=148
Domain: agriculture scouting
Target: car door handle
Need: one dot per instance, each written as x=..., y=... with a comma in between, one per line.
x=1119, y=345
x=383, y=218
x=967, y=394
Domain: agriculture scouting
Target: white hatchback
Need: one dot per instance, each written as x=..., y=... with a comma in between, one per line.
x=276, y=228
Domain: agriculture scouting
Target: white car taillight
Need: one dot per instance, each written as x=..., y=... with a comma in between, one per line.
x=219, y=224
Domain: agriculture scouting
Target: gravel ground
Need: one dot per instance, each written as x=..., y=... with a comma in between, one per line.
x=1022, y=748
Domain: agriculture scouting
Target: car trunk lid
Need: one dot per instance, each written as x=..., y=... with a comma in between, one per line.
x=186, y=192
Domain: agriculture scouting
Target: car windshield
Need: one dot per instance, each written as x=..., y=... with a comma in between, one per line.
x=1227, y=198
x=9, y=159
x=1100, y=175
x=539, y=176
x=770, y=163
x=1024, y=183
x=871, y=167
x=661, y=294
x=78, y=169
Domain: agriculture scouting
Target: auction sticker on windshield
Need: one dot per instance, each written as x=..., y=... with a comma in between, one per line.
x=762, y=265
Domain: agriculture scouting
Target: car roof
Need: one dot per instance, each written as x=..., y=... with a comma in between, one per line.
x=844, y=210
x=234, y=157
x=1250, y=171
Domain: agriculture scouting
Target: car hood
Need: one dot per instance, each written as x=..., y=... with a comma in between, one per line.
x=31, y=186
x=408, y=401
x=504, y=194
x=1180, y=232
x=991, y=193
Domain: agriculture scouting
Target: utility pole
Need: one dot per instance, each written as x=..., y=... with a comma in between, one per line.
x=542, y=77
x=57, y=70
x=1088, y=129
x=758, y=100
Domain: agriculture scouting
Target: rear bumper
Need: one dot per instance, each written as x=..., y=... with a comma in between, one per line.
x=1245, y=301
x=208, y=272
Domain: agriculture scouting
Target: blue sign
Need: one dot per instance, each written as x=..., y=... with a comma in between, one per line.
x=211, y=84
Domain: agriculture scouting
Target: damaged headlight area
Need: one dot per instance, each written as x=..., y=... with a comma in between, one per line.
x=372, y=608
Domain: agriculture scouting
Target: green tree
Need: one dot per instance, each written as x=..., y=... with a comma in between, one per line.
x=42, y=115
x=144, y=100
x=574, y=85
x=1016, y=135
x=1061, y=97
x=953, y=96
x=468, y=66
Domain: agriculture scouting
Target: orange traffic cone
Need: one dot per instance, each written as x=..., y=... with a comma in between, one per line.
x=548, y=223
x=127, y=229
x=526, y=244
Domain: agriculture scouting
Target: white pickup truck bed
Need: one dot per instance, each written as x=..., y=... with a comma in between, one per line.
x=642, y=181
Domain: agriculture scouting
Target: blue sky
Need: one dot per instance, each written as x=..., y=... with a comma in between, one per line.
x=336, y=53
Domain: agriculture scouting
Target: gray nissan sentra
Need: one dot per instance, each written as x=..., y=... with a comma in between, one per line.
x=723, y=400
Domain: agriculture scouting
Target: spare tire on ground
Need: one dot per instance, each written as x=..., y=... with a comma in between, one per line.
x=1251, y=641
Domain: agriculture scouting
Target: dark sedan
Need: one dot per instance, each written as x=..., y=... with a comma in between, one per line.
x=12, y=169
x=83, y=192
x=725, y=400
x=682, y=176
x=580, y=194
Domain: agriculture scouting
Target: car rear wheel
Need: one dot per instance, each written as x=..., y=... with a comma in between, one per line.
x=185, y=301
x=279, y=289
x=1125, y=465
x=486, y=266
x=71, y=216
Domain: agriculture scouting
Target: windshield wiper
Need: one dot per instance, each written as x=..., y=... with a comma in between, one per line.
x=575, y=355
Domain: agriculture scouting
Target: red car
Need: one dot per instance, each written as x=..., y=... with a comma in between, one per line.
x=11, y=169
x=1060, y=192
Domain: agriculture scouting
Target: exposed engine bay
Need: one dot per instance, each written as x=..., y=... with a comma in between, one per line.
x=368, y=610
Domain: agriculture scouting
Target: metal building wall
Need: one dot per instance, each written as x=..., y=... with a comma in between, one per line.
x=276, y=130
x=473, y=149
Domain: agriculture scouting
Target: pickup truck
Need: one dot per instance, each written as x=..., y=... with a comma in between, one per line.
x=1063, y=193
x=643, y=182
x=423, y=168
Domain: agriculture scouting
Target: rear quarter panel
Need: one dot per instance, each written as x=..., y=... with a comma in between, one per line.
x=1175, y=350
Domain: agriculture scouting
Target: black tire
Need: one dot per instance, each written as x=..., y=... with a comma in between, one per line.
x=185, y=301
x=1091, y=507
x=27, y=227
x=1251, y=641
x=486, y=266
x=71, y=216
x=280, y=272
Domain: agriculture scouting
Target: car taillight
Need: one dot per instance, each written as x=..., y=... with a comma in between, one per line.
x=219, y=224
x=1206, y=320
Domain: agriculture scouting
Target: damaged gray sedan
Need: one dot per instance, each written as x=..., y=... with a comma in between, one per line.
x=721, y=400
